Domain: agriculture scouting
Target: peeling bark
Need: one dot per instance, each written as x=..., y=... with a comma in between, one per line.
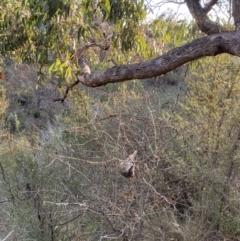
x=206, y=46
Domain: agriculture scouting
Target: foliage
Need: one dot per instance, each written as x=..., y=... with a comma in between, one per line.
x=48, y=32
x=61, y=181
x=206, y=152
x=41, y=31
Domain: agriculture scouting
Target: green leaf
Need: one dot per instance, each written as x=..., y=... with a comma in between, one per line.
x=68, y=73
x=105, y=5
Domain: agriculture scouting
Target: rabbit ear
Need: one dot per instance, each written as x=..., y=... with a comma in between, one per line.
x=132, y=157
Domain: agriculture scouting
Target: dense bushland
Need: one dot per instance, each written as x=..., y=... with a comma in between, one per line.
x=63, y=182
x=59, y=173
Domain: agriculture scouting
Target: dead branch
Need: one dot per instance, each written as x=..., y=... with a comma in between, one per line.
x=66, y=92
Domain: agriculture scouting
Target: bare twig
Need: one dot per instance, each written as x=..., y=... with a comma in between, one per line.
x=66, y=92
x=5, y=180
x=69, y=221
x=7, y=236
x=65, y=203
x=163, y=197
x=112, y=237
x=3, y=174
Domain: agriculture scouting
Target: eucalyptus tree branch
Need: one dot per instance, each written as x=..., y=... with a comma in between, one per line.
x=211, y=45
x=80, y=51
x=85, y=69
x=200, y=15
x=208, y=6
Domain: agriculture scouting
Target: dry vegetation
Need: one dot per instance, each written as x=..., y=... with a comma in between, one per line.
x=60, y=177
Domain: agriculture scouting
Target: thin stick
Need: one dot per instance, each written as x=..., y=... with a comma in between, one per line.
x=66, y=92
